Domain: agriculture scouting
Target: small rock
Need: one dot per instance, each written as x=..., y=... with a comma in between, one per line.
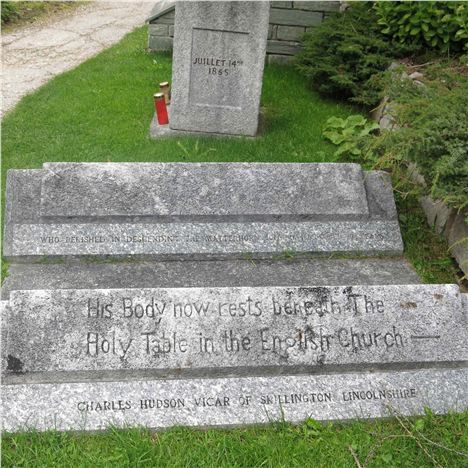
x=416, y=75
x=387, y=122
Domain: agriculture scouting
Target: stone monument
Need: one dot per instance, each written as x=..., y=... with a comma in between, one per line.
x=200, y=210
x=218, y=60
x=217, y=294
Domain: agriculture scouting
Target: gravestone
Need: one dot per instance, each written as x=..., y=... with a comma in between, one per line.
x=207, y=331
x=214, y=295
x=201, y=210
x=218, y=60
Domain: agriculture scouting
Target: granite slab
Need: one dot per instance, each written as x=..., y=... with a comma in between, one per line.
x=157, y=131
x=68, y=334
x=203, y=240
x=227, y=211
x=203, y=189
x=218, y=60
x=208, y=273
x=159, y=404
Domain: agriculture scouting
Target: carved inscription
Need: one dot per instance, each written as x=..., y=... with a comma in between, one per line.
x=157, y=333
x=173, y=238
x=169, y=330
x=229, y=238
x=152, y=403
x=217, y=68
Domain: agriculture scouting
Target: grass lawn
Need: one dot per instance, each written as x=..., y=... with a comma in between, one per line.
x=17, y=14
x=428, y=441
x=101, y=112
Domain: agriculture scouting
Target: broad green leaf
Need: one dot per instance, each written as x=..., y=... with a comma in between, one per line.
x=346, y=148
x=334, y=137
x=356, y=120
x=349, y=131
x=335, y=122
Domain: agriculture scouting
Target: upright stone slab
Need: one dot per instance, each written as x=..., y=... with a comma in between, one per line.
x=203, y=210
x=218, y=60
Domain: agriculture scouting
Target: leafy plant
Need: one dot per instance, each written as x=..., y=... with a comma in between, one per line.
x=348, y=134
x=435, y=25
x=346, y=54
x=9, y=11
x=431, y=131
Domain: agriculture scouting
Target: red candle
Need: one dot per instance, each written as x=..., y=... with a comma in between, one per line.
x=161, y=109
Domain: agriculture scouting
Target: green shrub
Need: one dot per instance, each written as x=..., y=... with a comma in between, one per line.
x=9, y=11
x=442, y=26
x=432, y=131
x=345, y=55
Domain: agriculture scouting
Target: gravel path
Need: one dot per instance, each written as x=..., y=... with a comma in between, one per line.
x=34, y=54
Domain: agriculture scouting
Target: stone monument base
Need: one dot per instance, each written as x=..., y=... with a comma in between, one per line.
x=217, y=294
x=165, y=131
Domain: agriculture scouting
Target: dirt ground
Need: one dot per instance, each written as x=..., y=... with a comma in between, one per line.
x=35, y=53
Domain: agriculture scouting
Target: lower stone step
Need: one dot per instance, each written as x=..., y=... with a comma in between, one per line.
x=76, y=334
x=162, y=404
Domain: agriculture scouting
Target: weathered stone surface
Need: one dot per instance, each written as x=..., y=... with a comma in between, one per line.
x=167, y=18
x=209, y=273
x=318, y=6
x=280, y=59
x=160, y=43
x=290, y=33
x=380, y=194
x=283, y=47
x=219, y=51
x=438, y=214
x=159, y=30
x=272, y=31
x=295, y=17
x=160, y=404
x=281, y=4
x=198, y=240
x=458, y=240
x=416, y=75
x=214, y=210
x=83, y=333
x=161, y=8
x=195, y=189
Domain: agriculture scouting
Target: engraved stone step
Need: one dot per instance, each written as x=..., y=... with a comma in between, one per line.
x=161, y=404
x=65, y=334
x=169, y=211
